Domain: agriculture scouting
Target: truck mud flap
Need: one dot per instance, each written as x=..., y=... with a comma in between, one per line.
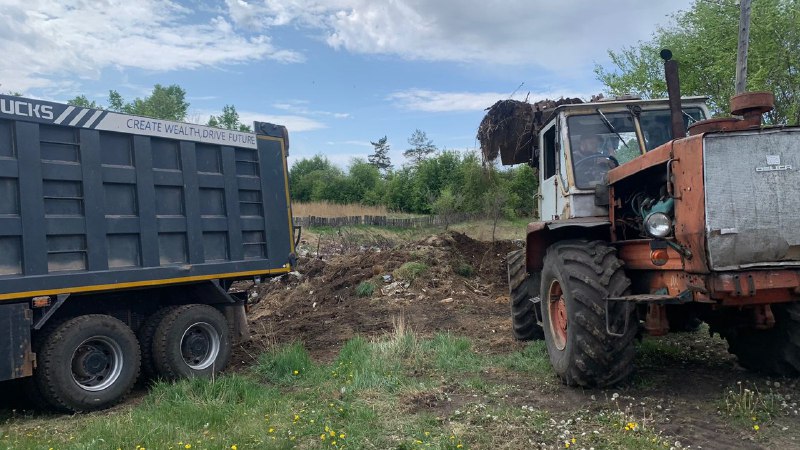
x=16, y=358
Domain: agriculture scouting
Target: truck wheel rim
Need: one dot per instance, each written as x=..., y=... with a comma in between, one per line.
x=558, y=315
x=97, y=363
x=200, y=346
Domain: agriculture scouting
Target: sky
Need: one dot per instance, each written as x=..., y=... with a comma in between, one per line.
x=337, y=73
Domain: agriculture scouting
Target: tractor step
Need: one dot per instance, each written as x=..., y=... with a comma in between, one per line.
x=662, y=299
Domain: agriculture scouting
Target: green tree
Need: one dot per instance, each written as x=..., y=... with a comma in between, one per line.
x=84, y=102
x=308, y=178
x=446, y=205
x=168, y=103
x=229, y=119
x=704, y=41
x=421, y=147
x=380, y=158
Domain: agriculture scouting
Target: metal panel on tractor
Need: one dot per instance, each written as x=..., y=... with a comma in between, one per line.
x=93, y=200
x=752, y=207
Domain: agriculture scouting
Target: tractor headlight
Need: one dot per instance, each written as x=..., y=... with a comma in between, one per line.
x=658, y=225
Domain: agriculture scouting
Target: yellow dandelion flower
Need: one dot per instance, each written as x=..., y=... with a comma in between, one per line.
x=323, y=436
x=418, y=441
x=573, y=440
x=327, y=428
x=272, y=430
x=566, y=444
x=296, y=372
x=427, y=433
x=333, y=442
x=459, y=446
x=341, y=436
x=234, y=447
x=333, y=433
x=756, y=427
x=187, y=446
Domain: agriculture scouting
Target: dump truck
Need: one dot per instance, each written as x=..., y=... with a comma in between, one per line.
x=643, y=229
x=120, y=239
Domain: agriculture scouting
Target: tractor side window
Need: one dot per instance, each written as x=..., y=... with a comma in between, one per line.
x=549, y=166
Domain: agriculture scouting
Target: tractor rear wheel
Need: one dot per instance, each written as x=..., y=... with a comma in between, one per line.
x=577, y=278
x=775, y=351
x=523, y=314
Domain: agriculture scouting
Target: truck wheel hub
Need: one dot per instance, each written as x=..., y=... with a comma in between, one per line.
x=558, y=315
x=200, y=346
x=97, y=363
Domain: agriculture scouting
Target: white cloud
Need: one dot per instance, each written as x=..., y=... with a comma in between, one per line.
x=558, y=35
x=437, y=101
x=301, y=107
x=294, y=124
x=50, y=44
x=350, y=142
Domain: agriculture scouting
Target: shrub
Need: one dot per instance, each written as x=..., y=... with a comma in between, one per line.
x=465, y=270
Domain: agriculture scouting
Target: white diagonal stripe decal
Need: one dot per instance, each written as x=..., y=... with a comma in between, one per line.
x=64, y=114
x=78, y=117
x=93, y=119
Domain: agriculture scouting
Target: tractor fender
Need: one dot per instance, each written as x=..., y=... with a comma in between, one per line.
x=541, y=235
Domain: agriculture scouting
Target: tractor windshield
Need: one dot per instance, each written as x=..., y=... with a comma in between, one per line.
x=601, y=141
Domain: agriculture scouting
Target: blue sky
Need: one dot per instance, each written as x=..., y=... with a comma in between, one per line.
x=337, y=73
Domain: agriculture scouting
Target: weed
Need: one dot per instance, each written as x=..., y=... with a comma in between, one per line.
x=410, y=271
x=533, y=359
x=465, y=270
x=750, y=406
x=365, y=289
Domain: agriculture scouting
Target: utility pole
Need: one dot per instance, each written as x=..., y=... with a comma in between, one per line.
x=744, y=40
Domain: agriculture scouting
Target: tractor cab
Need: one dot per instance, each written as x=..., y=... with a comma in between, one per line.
x=581, y=142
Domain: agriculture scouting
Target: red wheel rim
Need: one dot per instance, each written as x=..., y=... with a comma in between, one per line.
x=558, y=315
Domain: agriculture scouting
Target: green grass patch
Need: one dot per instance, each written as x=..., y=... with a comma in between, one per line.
x=401, y=392
x=365, y=289
x=410, y=271
x=464, y=269
x=533, y=359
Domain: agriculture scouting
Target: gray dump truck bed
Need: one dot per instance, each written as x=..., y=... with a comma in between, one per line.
x=93, y=200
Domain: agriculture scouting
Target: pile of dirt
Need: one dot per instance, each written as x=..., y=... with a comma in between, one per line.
x=461, y=288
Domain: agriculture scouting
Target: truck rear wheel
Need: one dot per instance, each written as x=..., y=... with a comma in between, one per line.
x=577, y=277
x=775, y=351
x=191, y=341
x=523, y=316
x=146, y=335
x=87, y=363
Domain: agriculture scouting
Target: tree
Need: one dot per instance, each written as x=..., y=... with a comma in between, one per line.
x=168, y=103
x=421, y=147
x=380, y=158
x=446, y=206
x=83, y=102
x=229, y=119
x=704, y=41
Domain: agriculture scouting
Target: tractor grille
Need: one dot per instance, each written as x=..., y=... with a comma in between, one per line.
x=752, y=182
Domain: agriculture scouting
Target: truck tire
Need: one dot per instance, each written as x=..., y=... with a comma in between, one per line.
x=775, y=351
x=523, y=316
x=191, y=341
x=146, y=334
x=87, y=363
x=576, y=278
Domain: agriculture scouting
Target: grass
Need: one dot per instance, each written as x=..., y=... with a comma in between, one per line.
x=365, y=289
x=401, y=391
x=325, y=209
x=411, y=270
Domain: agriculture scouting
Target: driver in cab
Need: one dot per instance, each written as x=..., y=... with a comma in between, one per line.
x=591, y=161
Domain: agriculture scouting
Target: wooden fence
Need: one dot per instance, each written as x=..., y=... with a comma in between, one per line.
x=383, y=221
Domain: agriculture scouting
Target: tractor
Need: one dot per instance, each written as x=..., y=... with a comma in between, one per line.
x=654, y=218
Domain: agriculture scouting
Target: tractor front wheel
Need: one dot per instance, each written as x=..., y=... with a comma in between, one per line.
x=577, y=278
